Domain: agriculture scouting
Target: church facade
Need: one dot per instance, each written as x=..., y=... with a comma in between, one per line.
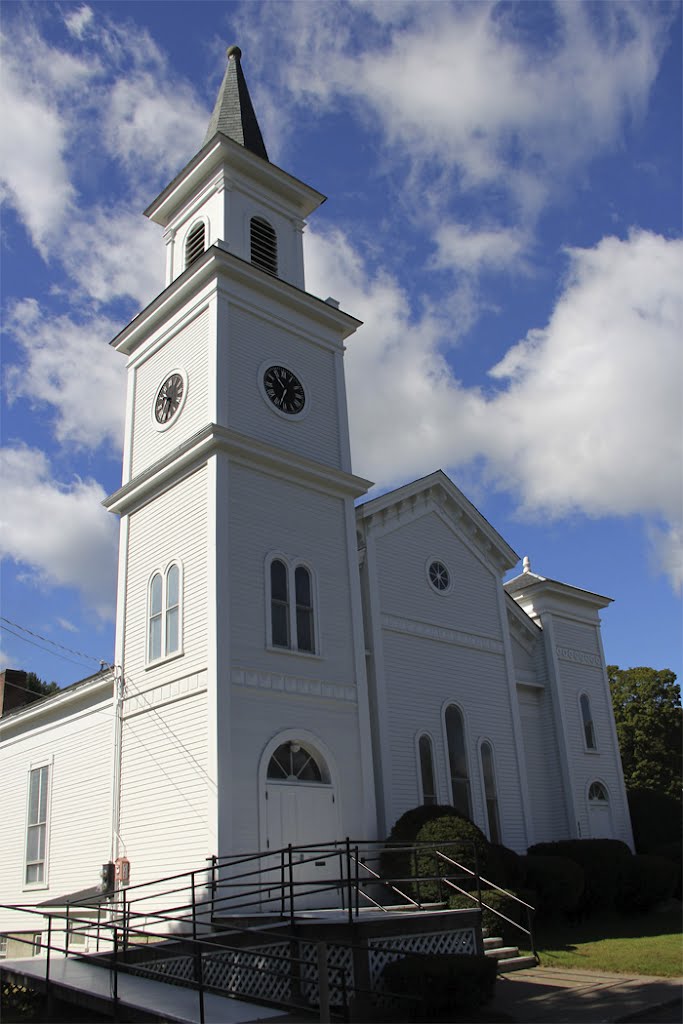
x=293, y=665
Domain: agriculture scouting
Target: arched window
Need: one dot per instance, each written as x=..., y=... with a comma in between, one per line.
x=490, y=792
x=597, y=792
x=426, y=760
x=588, y=726
x=457, y=759
x=195, y=244
x=292, y=609
x=263, y=245
x=164, y=617
x=304, y=609
x=292, y=762
x=279, y=604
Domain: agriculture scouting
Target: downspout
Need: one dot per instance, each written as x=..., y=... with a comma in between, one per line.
x=119, y=687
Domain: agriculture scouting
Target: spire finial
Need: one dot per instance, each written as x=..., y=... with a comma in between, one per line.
x=234, y=51
x=233, y=114
x=526, y=564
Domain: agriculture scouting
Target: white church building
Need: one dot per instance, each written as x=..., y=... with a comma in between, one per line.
x=293, y=664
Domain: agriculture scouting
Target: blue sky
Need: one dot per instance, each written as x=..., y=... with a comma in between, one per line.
x=504, y=214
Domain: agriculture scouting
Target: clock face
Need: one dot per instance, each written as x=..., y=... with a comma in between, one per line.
x=169, y=397
x=285, y=391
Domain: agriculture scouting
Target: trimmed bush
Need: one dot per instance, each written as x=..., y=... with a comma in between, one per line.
x=505, y=867
x=645, y=881
x=674, y=852
x=460, y=839
x=491, y=923
x=557, y=882
x=398, y=863
x=602, y=861
x=656, y=819
x=443, y=984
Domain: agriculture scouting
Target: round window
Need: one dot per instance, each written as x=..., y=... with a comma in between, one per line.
x=439, y=576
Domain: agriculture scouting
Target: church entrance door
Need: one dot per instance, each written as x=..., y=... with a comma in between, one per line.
x=599, y=814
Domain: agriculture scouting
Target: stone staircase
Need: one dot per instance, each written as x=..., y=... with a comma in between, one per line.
x=508, y=958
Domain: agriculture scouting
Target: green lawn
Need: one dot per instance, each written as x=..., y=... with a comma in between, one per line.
x=642, y=944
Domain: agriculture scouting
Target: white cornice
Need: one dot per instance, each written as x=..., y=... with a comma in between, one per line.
x=246, y=450
x=429, y=631
x=223, y=151
x=216, y=263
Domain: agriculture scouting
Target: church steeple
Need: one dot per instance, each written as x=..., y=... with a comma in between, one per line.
x=233, y=114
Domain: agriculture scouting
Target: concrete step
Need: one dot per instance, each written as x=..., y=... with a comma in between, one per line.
x=492, y=942
x=516, y=963
x=502, y=952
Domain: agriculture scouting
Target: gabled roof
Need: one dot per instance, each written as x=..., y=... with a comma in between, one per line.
x=460, y=508
x=233, y=114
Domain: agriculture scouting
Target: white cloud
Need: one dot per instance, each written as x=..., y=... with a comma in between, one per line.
x=588, y=416
x=77, y=21
x=462, y=247
x=70, y=367
x=60, y=531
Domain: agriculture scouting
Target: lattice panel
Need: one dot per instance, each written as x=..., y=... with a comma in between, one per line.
x=382, y=951
x=337, y=957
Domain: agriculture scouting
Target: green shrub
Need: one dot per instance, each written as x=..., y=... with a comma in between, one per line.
x=505, y=867
x=491, y=923
x=459, y=839
x=443, y=984
x=557, y=882
x=656, y=819
x=602, y=862
x=645, y=881
x=399, y=863
x=674, y=852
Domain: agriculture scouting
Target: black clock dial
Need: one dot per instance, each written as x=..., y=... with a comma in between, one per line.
x=169, y=398
x=285, y=391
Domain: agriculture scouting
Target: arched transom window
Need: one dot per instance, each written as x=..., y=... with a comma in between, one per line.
x=195, y=243
x=292, y=762
x=263, y=245
x=164, y=622
x=598, y=792
x=457, y=760
x=588, y=725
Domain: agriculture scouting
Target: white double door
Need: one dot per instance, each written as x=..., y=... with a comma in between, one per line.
x=305, y=814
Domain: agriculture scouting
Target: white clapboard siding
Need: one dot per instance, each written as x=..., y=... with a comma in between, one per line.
x=186, y=350
x=164, y=788
x=77, y=745
x=267, y=515
x=579, y=635
x=403, y=557
x=543, y=768
x=172, y=528
x=255, y=340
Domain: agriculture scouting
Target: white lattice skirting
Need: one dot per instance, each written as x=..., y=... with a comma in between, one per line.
x=383, y=951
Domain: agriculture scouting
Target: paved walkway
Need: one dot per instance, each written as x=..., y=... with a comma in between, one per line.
x=549, y=994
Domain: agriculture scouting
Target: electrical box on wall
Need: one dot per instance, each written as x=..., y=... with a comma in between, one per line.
x=122, y=869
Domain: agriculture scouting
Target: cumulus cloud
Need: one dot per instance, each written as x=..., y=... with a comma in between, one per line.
x=462, y=247
x=60, y=531
x=587, y=412
x=77, y=20
x=69, y=366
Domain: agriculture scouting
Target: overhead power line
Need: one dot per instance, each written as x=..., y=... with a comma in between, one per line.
x=54, y=643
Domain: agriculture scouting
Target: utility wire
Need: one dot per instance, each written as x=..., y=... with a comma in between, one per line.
x=55, y=643
x=55, y=654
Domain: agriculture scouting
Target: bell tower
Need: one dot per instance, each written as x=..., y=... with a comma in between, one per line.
x=239, y=624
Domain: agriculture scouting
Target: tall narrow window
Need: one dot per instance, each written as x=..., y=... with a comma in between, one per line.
x=588, y=726
x=164, y=634
x=279, y=603
x=490, y=793
x=36, y=826
x=457, y=759
x=155, y=616
x=195, y=244
x=304, y=609
x=263, y=245
x=172, y=610
x=427, y=770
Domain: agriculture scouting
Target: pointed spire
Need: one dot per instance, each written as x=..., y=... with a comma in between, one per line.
x=233, y=114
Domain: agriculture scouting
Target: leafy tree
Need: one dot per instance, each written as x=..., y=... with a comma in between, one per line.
x=649, y=717
x=38, y=685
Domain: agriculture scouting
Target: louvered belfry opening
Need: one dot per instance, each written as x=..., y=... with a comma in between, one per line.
x=195, y=244
x=263, y=245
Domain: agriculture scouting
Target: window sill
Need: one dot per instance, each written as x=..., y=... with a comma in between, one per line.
x=164, y=661
x=590, y=750
x=292, y=651
x=34, y=886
